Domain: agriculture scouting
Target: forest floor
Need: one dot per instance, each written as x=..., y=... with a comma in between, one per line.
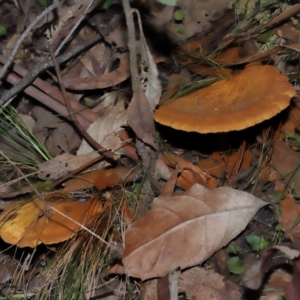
x=149, y=149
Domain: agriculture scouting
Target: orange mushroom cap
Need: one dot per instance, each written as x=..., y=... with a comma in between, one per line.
x=26, y=224
x=256, y=94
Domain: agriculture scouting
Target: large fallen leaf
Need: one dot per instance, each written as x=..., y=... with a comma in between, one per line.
x=185, y=229
x=28, y=224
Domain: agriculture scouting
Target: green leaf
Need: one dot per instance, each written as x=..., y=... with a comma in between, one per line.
x=234, y=265
x=233, y=248
x=106, y=4
x=42, y=185
x=263, y=243
x=168, y=2
x=178, y=15
x=253, y=241
x=89, y=103
x=3, y=30
x=181, y=29
x=44, y=2
x=274, y=196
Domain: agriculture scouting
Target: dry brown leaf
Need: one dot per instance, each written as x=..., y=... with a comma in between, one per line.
x=28, y=224
x=293, y=119
x=255, y=274
x=112, y=177
x=196, y=20
x=62, y=164
x=227, y=165
x=140, y=118
x=55, y=133
x=286, y=162
x=198, y=283
x=288, y=31
x=104, y=132
x=101, y=81
x=189, y=173
x=101, y=179
x=289, y=219
x=183, y=230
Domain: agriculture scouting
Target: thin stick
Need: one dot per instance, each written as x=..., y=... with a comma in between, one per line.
x=25, y=33
x=88, y=138
x=44, y=65
x=74, y=28
x=135, y=78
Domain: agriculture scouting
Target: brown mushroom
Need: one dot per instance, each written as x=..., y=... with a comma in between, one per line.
x=256, y=94
x=28, y=223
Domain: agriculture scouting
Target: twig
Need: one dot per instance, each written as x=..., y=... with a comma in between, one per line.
x=88, y=138
x=51, y=97
x=74, y=28
x=74, y=172
x=44, y=65
x=135, y=78
x=25, y=33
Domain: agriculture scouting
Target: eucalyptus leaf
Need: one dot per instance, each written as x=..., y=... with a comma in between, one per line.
x=3, y=30
x=168, y=2
x=235, y=266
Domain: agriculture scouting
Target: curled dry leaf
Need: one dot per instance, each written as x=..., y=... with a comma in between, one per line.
x=101, y=81
x=30, y=223
x=254, y=275
x=101, y=179
x=289, y=220
x=206, y=11
x=183, y=230
x=104, y=131
x=62, y=164
x=201, y=284
x=285, y=160
x=189, y=173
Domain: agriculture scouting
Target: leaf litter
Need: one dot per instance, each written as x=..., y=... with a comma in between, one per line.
x=166, y=202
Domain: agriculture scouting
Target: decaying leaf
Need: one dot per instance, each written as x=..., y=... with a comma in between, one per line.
x=145, y=99
x=140, y=118
x=201, y=284
x=101, y=179
x=223, y=164
x=30, y=223
x=189, y=173
x=196, y=20
x=254, y=275
x=103, y=131
x=286, y=161
x=101, y=81
x=62, y=164
x=183, y=230
x=289, y=219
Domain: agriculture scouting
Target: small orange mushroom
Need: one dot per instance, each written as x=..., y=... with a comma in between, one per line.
x=28, y=224
x=256, y=94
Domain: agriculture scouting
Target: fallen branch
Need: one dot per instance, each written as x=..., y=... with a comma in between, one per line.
x=44, y=65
